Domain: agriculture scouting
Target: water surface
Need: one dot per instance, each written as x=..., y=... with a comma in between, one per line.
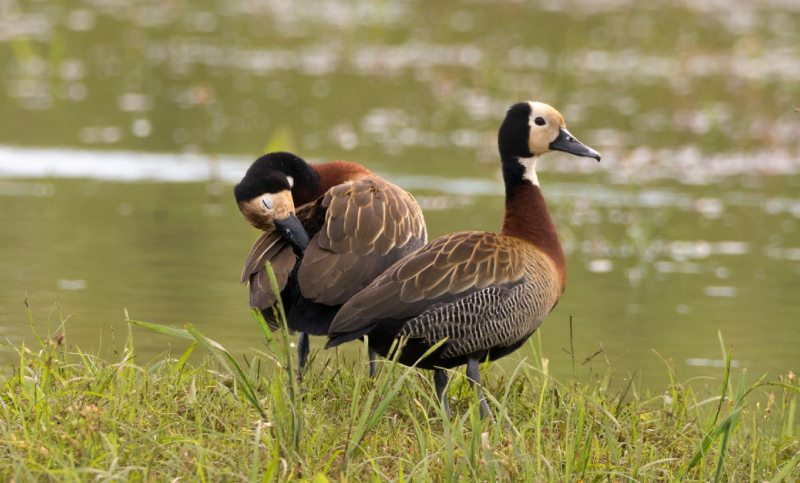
x=125, y=124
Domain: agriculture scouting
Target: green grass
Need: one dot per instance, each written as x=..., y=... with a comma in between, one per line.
x=68, y=415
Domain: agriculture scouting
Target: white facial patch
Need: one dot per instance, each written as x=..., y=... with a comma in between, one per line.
x=291, y=181
x=530, y=170
x=533, y=113
x=538, y=109
x=543, y=132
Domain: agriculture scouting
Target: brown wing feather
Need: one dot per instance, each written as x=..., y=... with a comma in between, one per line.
x=269, y=247
x=369, y=224
x=266, y=246
x=450, y=266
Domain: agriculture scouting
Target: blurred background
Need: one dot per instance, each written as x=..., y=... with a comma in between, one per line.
x=123, y=126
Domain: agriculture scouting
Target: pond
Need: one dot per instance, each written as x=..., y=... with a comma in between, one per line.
x=125, y=126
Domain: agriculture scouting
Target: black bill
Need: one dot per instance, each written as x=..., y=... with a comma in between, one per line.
x=292, y=231
x=566, y=142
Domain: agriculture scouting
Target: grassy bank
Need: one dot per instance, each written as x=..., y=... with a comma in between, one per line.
x=68, y=415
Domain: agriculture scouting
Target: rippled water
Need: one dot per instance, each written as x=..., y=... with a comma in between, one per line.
x=123, y=126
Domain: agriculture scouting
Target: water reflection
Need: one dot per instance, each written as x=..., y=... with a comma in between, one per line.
x=656, y=77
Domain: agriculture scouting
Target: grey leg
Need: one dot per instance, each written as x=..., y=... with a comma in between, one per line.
x=373, y=362
x=474, y=375
x=302, y=354
x=440, y=379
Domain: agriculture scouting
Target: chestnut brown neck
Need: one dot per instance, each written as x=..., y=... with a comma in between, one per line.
x=527, y=217
x=335, y=173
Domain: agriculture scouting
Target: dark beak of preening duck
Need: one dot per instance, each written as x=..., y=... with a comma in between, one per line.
x=293, y=232
x=566, y=142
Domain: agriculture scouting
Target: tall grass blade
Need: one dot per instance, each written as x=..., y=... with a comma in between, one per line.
x=725, y=379
x=290, y=412
x=729, y=429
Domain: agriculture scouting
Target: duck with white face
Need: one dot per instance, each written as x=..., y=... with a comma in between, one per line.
x=265, y=200
x=472, y=296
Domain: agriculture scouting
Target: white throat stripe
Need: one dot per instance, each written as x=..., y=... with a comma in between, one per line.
x=530, y=170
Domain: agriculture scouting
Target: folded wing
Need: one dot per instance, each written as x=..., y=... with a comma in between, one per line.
x=269, y=247
x=369, y=224
x=447, y=270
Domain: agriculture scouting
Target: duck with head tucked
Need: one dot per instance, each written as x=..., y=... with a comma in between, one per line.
x=348, y=227
x=482, y=293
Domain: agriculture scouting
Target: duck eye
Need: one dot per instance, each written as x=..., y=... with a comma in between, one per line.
x=267, y=202
x=539, y=121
